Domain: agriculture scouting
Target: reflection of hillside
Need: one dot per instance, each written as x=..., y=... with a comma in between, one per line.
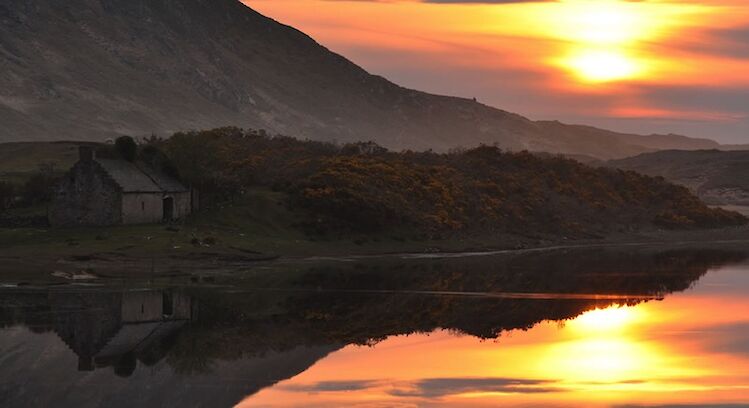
x=365, y=303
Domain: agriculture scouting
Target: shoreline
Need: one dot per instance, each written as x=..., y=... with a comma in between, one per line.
x=26, y=264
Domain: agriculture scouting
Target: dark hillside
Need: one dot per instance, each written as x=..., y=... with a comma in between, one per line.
x=717, y=177
x=98, y=69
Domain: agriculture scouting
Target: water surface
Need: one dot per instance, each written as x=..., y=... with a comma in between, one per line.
x=590, y=328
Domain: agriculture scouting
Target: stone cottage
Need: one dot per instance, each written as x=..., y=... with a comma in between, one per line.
x=102, y=192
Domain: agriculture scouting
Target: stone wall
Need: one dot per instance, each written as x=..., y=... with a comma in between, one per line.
x=142, y=208
x=87, y=196
x=148, y=208
x=142, y=306
x=151, y=306
x=182, y=204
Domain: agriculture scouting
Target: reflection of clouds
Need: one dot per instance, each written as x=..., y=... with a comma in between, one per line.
x=731, y=338
x=332, y=386
x=442, y=387
x=434, y=387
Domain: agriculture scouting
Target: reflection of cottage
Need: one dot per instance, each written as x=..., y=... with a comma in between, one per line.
x=119, y=329
x=100, y=191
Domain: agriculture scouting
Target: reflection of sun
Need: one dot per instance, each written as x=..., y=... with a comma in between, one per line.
x=603, y=350
x=605, y=353
x=609, y=319
x=605, y=360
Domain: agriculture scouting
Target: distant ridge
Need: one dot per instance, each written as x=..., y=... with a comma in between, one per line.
x=717, y=177
x=95, y=69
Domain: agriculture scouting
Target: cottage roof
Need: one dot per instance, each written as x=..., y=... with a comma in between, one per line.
x=167, y=183
x=139, y=178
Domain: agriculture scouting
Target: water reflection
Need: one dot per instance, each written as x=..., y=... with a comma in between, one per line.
x=548, y=329
x=103, y=328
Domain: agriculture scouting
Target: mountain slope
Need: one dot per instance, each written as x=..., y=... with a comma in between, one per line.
x=716, y=177
x=94, y=69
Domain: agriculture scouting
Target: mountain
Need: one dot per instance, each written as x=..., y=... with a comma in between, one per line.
x=587, y=140
x=95, y=69
x=717, y=177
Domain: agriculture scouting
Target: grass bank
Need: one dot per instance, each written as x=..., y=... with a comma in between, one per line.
x=257, y=225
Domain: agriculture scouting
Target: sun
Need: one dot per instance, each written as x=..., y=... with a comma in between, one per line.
x=596, y=42
x=603, y=65
x=600, y=35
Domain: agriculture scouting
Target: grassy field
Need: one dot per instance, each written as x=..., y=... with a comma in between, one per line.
x=257, y=226
x=244, y=238
x=260, y=214
x=19, y=160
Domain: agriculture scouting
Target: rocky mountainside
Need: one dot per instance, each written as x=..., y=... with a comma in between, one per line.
x=717, y=177
x=95, y=69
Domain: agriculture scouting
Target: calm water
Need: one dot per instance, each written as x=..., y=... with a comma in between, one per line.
x=593, y=328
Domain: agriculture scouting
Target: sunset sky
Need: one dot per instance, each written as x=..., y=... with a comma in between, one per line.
x=651, y=66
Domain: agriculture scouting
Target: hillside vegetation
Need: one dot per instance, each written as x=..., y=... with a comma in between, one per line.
x=365, y=188
x=18, y=161
x=717, y=177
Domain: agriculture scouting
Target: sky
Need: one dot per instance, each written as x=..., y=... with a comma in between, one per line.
x=641, y=66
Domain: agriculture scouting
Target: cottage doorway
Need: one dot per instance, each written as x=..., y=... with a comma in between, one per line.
x=167, y=304
x=168, y=208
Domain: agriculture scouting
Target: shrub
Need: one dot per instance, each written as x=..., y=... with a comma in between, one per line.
x=39, y=188
x=126, y=148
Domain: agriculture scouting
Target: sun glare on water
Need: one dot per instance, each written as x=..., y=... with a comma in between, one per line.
x=612, y=318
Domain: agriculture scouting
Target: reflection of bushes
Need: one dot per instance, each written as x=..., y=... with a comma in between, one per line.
x=365, y=188
x=189, y=355
x=7, y=195
x=366, y=303
x=126, y=365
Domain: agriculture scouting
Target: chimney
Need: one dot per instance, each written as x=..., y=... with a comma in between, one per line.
x=86, y=154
